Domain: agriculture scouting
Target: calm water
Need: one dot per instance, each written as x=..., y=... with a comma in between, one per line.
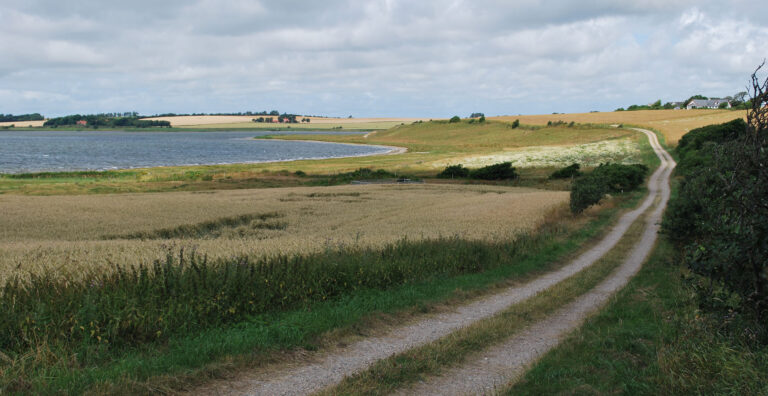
x=102, y=150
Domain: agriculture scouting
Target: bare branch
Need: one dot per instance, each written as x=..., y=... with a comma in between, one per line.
x=757, y=115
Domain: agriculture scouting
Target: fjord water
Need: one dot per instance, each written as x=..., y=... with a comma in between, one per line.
x=53, y=151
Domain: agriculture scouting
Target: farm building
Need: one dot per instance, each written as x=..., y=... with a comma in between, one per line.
x=713, y=103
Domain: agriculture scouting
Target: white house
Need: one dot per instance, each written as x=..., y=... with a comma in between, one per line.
x=713, y=103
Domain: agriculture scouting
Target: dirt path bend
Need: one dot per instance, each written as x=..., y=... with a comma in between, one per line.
x=498, y=367
x=330, y=369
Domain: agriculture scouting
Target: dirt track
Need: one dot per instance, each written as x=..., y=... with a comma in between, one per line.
x=505, y=362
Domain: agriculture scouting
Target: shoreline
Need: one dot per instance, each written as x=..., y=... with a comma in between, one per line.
x=392, y=150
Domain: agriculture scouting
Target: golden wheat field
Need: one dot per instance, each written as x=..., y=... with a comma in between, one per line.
x=213, y=121
x=66, y=234
x=20, y=124
x=672, y=123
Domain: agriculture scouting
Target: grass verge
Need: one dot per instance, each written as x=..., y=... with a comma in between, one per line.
x=650, y=340
x=83, y=363
x=417, y=364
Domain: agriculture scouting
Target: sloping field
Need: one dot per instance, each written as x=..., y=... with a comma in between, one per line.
x=66, y=234
x=21, y=124
x=588, y=155
x=672, y=123
x=433, y=145
x=315, y=123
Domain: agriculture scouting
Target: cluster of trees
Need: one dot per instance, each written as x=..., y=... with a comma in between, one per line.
x=719, y=218
x=118, y=115
x=589, y=189
x=653, y=106
x=246, y=113
x=569, y=172
x=104, y=120
x=21, y=117
x=282, y=118
x=500, y=171
x=475, y=117
x=561, y=123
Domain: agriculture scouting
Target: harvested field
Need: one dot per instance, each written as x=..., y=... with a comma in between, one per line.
x=20, y=124
x=71, y=235
x=672, y=123
x=315, y=123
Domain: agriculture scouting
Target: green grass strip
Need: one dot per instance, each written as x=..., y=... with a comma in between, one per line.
x=650, y=340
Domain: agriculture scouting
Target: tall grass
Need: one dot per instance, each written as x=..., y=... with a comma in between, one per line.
x=186, y=293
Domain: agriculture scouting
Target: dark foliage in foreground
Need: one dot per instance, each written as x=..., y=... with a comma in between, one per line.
x=691, y=148
x=719, y=219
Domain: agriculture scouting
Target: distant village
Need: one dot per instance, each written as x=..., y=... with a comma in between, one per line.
x=695, y=102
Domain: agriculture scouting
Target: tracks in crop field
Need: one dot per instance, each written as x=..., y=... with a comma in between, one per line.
x=502, y=363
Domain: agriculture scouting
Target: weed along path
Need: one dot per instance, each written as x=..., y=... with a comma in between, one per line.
x=325, y=370
x=491, y=370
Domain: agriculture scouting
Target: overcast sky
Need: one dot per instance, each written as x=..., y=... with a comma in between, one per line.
x=429, y=58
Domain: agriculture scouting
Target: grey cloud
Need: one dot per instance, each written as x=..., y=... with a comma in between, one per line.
x=388, y=57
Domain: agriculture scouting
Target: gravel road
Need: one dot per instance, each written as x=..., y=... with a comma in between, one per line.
x=329, y=369
x=503, y=364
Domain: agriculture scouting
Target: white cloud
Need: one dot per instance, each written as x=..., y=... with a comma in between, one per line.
x=384, y=57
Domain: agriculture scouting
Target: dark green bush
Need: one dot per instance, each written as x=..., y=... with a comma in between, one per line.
x=719, y=217
x=502, y=171
x=569, y=171
x=515, y=124
x=587, y=191
x=590, y=189
x=691, y=148
x=453, y=172
x=621, y=178
x=454, y=119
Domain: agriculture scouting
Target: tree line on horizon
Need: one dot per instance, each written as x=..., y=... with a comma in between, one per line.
x=21, y=117
x=107, y=120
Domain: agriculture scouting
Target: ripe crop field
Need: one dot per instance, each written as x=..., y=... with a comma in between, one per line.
x=72, y=235
x=20, y=124
x=97, y=266
x=432, y=145
x=240, y=122
x=672, y=123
